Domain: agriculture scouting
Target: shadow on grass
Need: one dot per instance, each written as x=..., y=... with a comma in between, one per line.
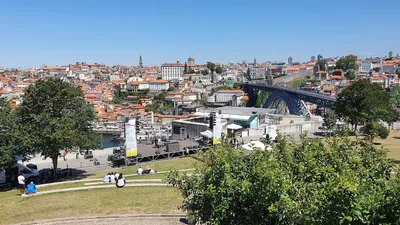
x=377, y=143
x=396, y=137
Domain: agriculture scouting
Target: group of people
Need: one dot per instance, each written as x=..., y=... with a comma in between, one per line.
x=148, y=170
x=120, y=180
x=115, y=177
x=23, y=188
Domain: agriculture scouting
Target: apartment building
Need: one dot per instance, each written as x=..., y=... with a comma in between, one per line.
x=223, y=96
x=172, y=71
x=158, y=85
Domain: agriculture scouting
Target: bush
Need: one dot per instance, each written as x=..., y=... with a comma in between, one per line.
x=375, y=129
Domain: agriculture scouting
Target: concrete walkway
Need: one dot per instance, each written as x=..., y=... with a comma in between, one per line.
x=94, y=187
x=128, y=181
x=142, y=219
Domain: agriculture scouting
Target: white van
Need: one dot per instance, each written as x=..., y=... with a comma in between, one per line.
x=29, y=174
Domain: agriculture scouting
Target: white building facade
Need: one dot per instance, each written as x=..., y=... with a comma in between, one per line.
x=365, y=67
x=224, y=96
x=158, y=85
x=172, y=71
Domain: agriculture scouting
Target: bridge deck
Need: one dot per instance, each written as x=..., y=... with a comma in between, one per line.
x=291, y=90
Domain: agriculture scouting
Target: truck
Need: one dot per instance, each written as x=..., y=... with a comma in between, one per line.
x=10, y=175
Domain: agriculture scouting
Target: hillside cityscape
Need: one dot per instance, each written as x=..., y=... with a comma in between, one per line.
x=172, y=113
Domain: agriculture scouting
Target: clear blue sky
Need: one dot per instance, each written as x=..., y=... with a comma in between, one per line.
x=33, y=33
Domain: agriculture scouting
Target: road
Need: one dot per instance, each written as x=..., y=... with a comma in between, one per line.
x=101, y=155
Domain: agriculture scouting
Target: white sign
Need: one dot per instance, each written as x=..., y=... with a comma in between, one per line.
x=130, y=138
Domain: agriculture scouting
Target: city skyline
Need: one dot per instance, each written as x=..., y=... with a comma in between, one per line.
x=55, y=33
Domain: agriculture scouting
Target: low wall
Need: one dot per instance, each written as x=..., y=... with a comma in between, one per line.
x=299, y=127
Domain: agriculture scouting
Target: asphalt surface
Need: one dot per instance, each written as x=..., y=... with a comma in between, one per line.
x=87, y=165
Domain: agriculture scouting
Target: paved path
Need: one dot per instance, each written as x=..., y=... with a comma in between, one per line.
x=94, y=187
x=174, y=219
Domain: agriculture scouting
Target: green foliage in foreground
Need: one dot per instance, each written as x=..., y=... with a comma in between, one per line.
x=313, y=182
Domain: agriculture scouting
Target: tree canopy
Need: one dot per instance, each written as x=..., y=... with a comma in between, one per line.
x=56, y=117
x=9, y=135
x=218, y=69
x=322, y=64
x=330, y=119
x=395, y=95
x=362, y=102
x=211, y=67
x=347, y=63
x=341, y=181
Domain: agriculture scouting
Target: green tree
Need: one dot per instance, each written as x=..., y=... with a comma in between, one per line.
x=398, y=72
x=259, y=100
x=9, y=135
x=55, y=117
x=375, y=129
x=211, y=67
x=330, y=119
x=377, y=69
x=347, y=63
x=350, y=74
x=341, y=181
x=362, y=102
x=218, y=70
x=395, y=95
x=322, y=64
x=204, y=72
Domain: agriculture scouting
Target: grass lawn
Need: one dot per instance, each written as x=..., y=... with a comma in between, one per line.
x=129, y=200
x=138, y=200
x=392, y=143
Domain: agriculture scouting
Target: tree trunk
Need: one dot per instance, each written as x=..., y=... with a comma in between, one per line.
x=54, y=158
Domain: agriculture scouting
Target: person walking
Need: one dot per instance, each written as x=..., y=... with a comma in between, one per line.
x=21, y=183
x=120, y=182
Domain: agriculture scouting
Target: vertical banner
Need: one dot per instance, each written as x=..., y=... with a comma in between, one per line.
x=130, y=138
x=217, y=129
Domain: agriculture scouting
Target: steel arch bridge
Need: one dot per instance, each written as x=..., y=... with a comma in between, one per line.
x=293, y=98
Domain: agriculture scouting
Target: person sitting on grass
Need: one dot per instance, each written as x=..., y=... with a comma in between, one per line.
x=112, y=177
x=120, y=182
x=107, y=178
x=140, y=171
x=31, y=188
x=116, y=177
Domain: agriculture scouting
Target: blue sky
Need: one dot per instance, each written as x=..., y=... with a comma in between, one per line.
x=117, y=32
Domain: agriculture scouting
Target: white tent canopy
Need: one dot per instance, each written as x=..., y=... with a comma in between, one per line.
x=233, y=127
x=207, y=134
x=255, y=144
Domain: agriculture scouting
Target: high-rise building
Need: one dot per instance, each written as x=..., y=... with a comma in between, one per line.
x=319, y=57
x=255, y=62
x=140, y=62
x=290, y=61
x=312, y=58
